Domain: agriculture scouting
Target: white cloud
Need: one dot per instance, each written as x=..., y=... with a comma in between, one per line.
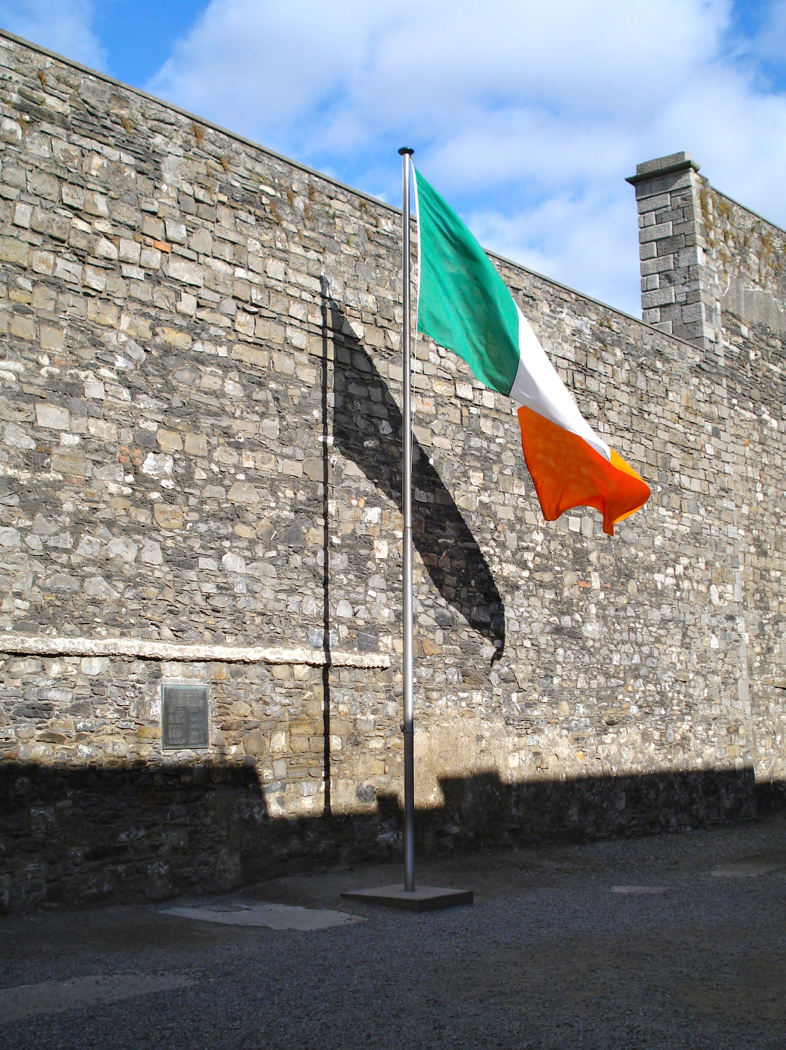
x=527, y=116
x=63, y=26
x=587, y=243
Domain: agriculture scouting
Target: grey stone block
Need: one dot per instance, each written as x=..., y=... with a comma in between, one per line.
x=670, y=245
x=693, y=312
x=654, y=202
x=661, y=166
x=661, y=264
x=658, y=232
x=657, y=298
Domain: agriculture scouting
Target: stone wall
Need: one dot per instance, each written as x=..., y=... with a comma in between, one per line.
x=704, y=256
x=674, y=297
x=715, y=272
x=200, y=447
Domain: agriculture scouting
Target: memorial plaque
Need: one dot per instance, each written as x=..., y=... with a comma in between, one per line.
x=184, y=717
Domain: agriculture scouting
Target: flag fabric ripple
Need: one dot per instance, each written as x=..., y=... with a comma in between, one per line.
x=464, y=305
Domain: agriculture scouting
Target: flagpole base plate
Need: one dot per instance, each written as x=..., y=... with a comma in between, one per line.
x=424, y=898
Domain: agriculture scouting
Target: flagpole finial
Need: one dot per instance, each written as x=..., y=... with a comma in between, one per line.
x=406, y=151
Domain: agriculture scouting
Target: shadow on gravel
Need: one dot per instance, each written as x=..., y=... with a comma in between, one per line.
x=130, y=833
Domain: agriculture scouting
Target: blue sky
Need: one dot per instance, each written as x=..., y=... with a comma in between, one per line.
x=527, y=116
x=137, y=36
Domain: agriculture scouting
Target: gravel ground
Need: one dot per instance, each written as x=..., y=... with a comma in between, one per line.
x=561, y=949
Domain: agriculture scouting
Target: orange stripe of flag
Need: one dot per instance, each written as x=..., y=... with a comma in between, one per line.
x=570, y=473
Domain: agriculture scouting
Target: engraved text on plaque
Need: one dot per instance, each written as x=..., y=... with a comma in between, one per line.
x=184, y=717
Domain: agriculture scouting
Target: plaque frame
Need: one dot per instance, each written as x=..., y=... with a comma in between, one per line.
x=200, y=705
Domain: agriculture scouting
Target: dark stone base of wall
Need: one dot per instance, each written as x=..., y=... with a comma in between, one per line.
x=770, y=797
x=484, y=810
x=85, y=835
x=101, y=835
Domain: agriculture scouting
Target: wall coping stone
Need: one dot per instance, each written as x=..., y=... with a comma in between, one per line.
x=750, y=211
x=31, y=645
x=383, y=205
x=197, y=119
x=651, y=169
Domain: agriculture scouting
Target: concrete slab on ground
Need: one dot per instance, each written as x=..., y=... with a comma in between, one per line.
x=423, y=898
x=273, y=916
x=55, y=997
x=752, y=867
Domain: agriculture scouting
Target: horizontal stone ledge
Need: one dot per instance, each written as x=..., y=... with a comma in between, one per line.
x=34, y=645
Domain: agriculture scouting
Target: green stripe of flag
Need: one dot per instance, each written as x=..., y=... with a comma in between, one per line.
x=464, y=304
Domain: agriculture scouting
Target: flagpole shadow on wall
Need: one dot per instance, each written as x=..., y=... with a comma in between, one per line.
x=327, y=807
x=367, y=430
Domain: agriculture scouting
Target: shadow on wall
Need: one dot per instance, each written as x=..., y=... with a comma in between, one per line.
x=367, y=430
x=102, y=834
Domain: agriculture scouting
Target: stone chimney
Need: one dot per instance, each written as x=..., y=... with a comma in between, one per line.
x=674, y=297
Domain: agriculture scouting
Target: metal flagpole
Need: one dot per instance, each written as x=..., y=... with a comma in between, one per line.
x=427, y=898
x=408, y=728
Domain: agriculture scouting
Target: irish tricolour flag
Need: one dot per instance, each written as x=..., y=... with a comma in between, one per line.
x=465, y=307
